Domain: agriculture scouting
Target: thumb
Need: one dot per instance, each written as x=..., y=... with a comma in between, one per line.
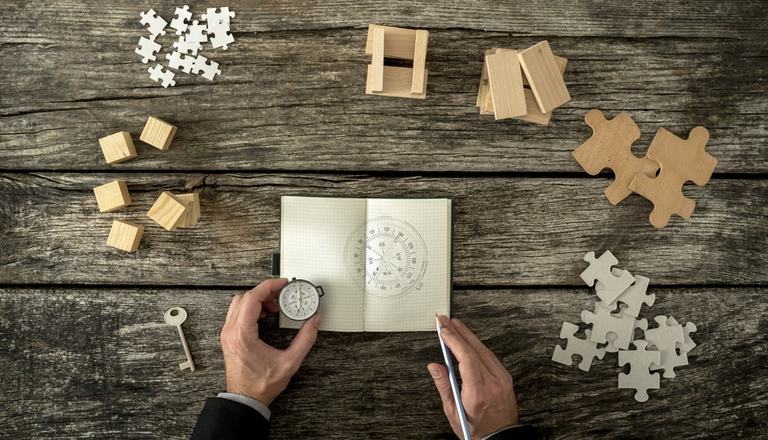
x=304, y=339
x=442, y=383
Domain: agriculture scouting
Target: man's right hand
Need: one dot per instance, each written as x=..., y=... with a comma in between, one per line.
x=486, y=392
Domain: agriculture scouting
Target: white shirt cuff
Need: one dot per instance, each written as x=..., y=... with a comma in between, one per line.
x=500, y=430
x=245, y=400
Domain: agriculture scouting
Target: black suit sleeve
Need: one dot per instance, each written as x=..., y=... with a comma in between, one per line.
x=519, y=432
x=224, y=419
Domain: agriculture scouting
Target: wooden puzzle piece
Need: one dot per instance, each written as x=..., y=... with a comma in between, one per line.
x=680, y=160
x=639, y=378
x=585, y=348
x=125, y=236
x=544, y=77
x=633, y=296
x=610, y=146
x=112, y=196
x=603, y=323
x=609, y=286
x=666, y=338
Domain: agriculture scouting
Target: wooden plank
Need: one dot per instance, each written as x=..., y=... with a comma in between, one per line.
x=419, y=62
x=307, y=89
x=505, y=81
x=377, y=61
x=399, y=42
x=507, y=231
x=542, y=73
x=109, y=366
x=397, y=83
x=534, y=112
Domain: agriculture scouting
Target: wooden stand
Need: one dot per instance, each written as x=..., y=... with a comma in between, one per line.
x=385, y=42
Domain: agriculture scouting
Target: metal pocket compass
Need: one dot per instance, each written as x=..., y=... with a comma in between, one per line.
x=299, y=299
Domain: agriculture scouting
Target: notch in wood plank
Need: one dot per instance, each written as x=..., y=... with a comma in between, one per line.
x=377, y=61
x=419, y=62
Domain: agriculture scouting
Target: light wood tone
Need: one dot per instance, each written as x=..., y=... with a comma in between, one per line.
x=125, y=236
x=482, y=91
x=505, y=81
x=610, y=146
x=680, y=160
x=418, y=81
x=167, y=211
x=112, y=195
x=377, y=60
x=397, y=83
x=535, y=114
x=191, y=216
x=117, y=147
x=398, y=42
x=158, y=133
x=543, y=76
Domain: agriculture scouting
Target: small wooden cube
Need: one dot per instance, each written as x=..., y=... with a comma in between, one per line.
x=112, y=195
x=117, y=147
x=167, y=211
x=191, y=216
x=125, y=236
x=158, y=133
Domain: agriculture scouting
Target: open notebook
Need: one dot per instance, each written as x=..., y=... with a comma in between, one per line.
x=384, y=264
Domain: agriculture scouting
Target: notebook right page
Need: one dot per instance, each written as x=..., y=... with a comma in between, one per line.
x=407, y=263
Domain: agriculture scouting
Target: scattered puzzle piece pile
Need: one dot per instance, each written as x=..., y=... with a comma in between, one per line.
x=213, y=26
x=676, y=160
x=525, y=85
x=169, y=211
x=614, y=321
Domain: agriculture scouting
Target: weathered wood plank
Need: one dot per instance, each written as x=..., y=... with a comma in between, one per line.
x=85, y=363
x=294, y=100
x=507, y=231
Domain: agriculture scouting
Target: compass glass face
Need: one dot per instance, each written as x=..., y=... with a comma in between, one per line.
x=387, y=256
x=299, y=300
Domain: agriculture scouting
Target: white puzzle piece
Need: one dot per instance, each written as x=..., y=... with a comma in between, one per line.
x=196, y=33
x=218, y=17
x=165, y=77
x=603, y=323
x=185, y=47
x=666, y=338
x=609, y=286
x=181, y=21
x=641, y=324
x=583, y=347
x=634, y=296
x=639, y=378
x=688, y=343
x=147, y=49
x=208, y=68
x=180, y=62
x=155, y=23
x=218, y=27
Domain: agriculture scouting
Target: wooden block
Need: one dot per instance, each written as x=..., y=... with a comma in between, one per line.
x=482, y=91
x=419, y=62
x=191, y=216
x=397, y=83
x=112, y=195
x=117, y=147
x=158, y=133
x=167, y=211
x=125, y=235
x=506, y=84
x=377, y=60
x=535, y=114
x=398, y=42
x=544, y=77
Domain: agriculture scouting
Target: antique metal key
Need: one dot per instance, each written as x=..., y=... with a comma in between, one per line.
x=176, y=316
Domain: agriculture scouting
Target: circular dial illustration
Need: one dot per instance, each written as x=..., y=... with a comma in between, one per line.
x=299, y=300
x=388, y=256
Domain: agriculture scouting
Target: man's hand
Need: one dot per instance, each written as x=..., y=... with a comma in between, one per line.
x=253, y=368
x=486, y=390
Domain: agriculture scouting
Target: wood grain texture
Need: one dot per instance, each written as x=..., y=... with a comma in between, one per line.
x=292, y=92
x=85, y=363
x=507, y=231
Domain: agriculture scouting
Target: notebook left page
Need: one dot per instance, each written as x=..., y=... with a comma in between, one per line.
x=314, y=232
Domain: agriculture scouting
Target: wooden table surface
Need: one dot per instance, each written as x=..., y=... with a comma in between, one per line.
x=84, y=352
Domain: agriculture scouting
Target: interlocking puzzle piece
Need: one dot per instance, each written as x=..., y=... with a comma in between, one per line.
x=117, y=147
x=583, y=347
x=191, y=216
x=181, y=19
x=633, y=296
x=155, y=23
x=666, y=338
x=688, y=343
x=158, y=133
x=196, y=33
x=214, y=16
x=208, y=68
x=186, y=47
x=221, y=39
x=609, y=286
x=147, y=49
x=641, y=324
x=167, y=211
x=218, y=26
x=603, y=323
x=112, y=195
x=125, y=235
x=164, y=77
x=182, y=62
x=680, y=160
x=640, y=377
x=611, y=147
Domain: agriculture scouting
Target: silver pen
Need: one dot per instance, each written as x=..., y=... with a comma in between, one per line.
x=454, y=383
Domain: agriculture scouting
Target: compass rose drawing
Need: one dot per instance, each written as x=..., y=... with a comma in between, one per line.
x=387, y=256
